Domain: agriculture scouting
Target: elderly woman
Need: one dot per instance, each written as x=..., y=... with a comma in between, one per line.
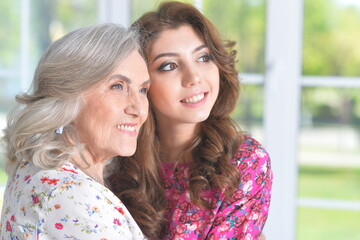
x=87, y=105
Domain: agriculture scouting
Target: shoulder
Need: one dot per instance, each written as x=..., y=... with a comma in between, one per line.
x=250, y=146
x=252, y=154
x=37, y=183
x=65, y=199
x=253, y=163
x=52, y=179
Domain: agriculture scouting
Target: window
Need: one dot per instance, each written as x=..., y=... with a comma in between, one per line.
x=244, y=22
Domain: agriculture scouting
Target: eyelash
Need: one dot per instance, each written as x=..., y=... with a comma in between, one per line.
x=114, y=86
x=208, y=56
x=143, y=90
x=162, y=67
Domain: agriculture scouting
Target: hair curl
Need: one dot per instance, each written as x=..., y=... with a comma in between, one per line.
x=136, y=181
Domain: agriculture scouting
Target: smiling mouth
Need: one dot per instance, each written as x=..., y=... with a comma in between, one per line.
x=194, y=99
x=125, y=127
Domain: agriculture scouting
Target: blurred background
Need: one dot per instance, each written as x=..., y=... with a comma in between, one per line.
x=299, y=63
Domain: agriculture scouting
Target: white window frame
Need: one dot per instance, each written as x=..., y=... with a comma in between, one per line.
x=283, y=52
x=115, y=11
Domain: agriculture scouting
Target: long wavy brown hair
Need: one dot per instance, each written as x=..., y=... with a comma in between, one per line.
x=136, y=181
x=219, y=136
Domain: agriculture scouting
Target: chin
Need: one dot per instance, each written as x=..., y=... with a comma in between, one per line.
x=125, y=148
x=127, y=152
x=201, y=117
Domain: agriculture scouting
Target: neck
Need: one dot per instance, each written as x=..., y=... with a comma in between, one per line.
x=175, y=140
x=89, y=166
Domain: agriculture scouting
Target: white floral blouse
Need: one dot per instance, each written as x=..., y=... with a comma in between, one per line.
x=62, y=204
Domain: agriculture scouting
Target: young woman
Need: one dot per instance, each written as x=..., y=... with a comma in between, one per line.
x=88, y=103
x=217, y=180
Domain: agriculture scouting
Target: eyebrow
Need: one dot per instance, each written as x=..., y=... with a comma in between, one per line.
x=126, y=79
x=175, y=54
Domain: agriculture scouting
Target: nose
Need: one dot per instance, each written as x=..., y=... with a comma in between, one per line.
x=191, y=77
x=137, y=106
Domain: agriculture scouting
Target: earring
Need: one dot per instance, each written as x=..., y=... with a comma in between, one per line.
x=59, y=130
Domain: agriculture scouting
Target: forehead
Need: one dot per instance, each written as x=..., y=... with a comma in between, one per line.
x=177, y=38
x=133, y=67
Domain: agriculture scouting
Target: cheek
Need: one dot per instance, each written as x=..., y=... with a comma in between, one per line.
x=89, y=127
x=215, y=80
x=100, y=115
x=160, y=94
x=161, y=104
x=145, y=111
x=217, y=87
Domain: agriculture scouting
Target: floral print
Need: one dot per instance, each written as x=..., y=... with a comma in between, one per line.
x=63, y=203
x=239, y=217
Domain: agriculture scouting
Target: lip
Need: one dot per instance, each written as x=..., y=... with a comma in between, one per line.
x=197, y=104
x=127, y=128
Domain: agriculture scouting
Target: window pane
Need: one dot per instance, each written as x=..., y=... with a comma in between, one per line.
x=323, y=224
x=139, y=7
x=330, y=143
x=341, y=183
x=249, y=110
x=242, y=21
x=9, y=67
x=329, y=161
x=331, y=30
x=49, y=20
x=9, y=34
x=9, y=55
x=330, y=133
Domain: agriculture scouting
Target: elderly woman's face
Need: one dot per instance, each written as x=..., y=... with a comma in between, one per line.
x=114, y=111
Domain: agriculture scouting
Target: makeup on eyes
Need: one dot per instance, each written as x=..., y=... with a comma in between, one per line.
x=171, y=66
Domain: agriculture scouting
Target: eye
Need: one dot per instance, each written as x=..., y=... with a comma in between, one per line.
x=205, y=58
x=144, y=90
x=167, y=66
x=117, y=86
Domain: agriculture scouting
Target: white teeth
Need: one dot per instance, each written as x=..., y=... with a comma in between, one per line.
x=125, y=127
x=194, y=99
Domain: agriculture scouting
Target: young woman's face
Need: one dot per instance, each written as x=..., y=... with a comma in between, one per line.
x=115, y=110
x=184, y=79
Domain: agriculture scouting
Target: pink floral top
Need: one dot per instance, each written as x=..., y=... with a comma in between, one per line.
x=62, y=204
x=242, y=216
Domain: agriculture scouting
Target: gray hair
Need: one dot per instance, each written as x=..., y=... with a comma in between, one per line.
x=68, y=68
